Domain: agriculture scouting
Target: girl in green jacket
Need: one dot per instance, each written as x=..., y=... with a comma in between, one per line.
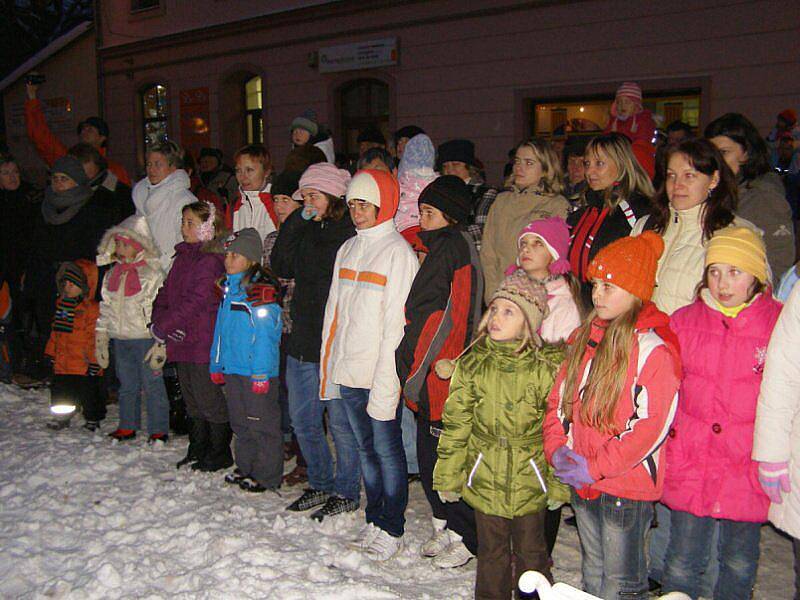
x=491, y=451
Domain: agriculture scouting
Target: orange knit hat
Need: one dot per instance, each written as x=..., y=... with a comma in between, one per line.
x=630, y=263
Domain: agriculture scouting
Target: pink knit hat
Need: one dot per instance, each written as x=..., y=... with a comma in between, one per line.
x=630, y=90
x=554, y=232
x=325, y=177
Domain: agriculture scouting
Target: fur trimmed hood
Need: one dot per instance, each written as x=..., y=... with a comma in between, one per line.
x=134, y=227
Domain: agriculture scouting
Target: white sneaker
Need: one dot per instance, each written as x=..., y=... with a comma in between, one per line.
x=439, y=540
x=455, y=556
x=365, y=537
x=384, y=547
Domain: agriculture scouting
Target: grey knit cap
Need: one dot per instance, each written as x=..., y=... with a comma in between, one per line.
x=72, y=167
x=307, y=121
x=246, y=242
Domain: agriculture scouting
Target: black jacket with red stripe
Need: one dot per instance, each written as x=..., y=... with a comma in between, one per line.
x=442, y=310
x=593, y=227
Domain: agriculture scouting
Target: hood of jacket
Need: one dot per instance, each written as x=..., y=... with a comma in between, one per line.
x=89, y=271
x=379, y=188
x=178, y=179
x=134, y=227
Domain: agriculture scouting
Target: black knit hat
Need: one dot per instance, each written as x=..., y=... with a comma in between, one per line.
x=409, y=131
x=285, y=184
x=371, y=134
x=457, y=151
x=450, y=195
x=97, y=123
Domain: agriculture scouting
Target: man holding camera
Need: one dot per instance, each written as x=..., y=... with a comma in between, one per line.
x=92, y=130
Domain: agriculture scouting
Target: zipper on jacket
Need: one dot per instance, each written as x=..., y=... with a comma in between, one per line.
x=539, y=475
x=474, y=468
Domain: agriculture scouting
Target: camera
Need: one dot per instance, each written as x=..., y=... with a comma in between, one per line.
x=35, y=79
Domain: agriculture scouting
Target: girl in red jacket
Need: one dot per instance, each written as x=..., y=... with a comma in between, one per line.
x=609, y=413
x=710, y=478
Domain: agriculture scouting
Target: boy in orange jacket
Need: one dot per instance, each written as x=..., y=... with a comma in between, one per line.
x=71, y=347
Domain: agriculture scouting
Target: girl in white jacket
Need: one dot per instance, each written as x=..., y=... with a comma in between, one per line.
x=129, y=289
x=364, y=321
x=776, y=443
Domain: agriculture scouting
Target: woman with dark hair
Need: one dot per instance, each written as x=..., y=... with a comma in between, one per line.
x=697, y=198
x=761, y=194
x=19, y=205
x=619, y=193
x=305, y=251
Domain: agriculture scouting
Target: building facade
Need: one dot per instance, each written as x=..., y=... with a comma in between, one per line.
x=225, y=72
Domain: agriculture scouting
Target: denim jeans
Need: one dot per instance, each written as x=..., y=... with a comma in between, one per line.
x=409, y=426
x=383, y=462
x=306, y=412
x=690, y=549
x=612, y=532
x=136, y=376
x=657, y=544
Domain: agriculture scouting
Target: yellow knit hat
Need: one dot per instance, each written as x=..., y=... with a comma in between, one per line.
x=741, y=247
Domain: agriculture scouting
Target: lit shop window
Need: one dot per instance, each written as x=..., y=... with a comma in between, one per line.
x=254, y=115
x=154, y=113
x=363, y=103
x=588, y=116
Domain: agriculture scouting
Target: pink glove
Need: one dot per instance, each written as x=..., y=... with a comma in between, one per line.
x=218, y=378
x=774, y=479
x=260, y=386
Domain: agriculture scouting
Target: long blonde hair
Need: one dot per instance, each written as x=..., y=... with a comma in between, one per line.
x=631, y=177
x=607, y=373
x=552, y=182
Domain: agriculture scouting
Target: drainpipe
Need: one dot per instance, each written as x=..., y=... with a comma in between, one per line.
x=98, y=39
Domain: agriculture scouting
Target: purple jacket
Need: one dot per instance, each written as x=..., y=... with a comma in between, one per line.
x=709, y=470
x=188, y=302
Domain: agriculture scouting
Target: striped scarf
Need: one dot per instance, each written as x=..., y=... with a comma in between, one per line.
x=64, y=319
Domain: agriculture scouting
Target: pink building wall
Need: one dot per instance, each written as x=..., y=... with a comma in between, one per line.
x=465, y=69
x=72, y=75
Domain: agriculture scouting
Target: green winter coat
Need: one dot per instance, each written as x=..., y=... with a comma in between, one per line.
x=491, y=448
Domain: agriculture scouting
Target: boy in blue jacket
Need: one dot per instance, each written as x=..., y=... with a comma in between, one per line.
x=245, y=358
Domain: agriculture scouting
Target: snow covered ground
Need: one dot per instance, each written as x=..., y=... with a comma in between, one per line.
x=81, y=517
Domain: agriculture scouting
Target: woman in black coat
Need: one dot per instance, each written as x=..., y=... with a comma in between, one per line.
x=69, y=226
x=19, y=204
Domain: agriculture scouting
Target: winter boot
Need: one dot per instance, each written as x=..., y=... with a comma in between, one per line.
x=219, y=455
x=198, y=442
x=178, y=419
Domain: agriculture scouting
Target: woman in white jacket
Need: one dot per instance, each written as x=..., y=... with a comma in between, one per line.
x=364, y=322
x=776, y=444
x=161, y=196
x=129, y=289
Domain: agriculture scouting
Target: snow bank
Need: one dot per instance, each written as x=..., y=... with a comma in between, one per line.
x=83, y=517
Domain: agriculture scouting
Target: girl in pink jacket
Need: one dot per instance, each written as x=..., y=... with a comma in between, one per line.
x=542, y=249
x=710, y=478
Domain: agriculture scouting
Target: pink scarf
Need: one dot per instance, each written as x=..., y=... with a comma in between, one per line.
x=132, y=284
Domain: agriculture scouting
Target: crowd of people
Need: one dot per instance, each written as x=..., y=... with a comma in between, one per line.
x=604, y=330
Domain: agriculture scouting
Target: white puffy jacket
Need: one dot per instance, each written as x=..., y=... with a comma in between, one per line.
x=162, y=205
x=128, y=317
x=365, y=317
x=681, y=266
x=777, y=432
